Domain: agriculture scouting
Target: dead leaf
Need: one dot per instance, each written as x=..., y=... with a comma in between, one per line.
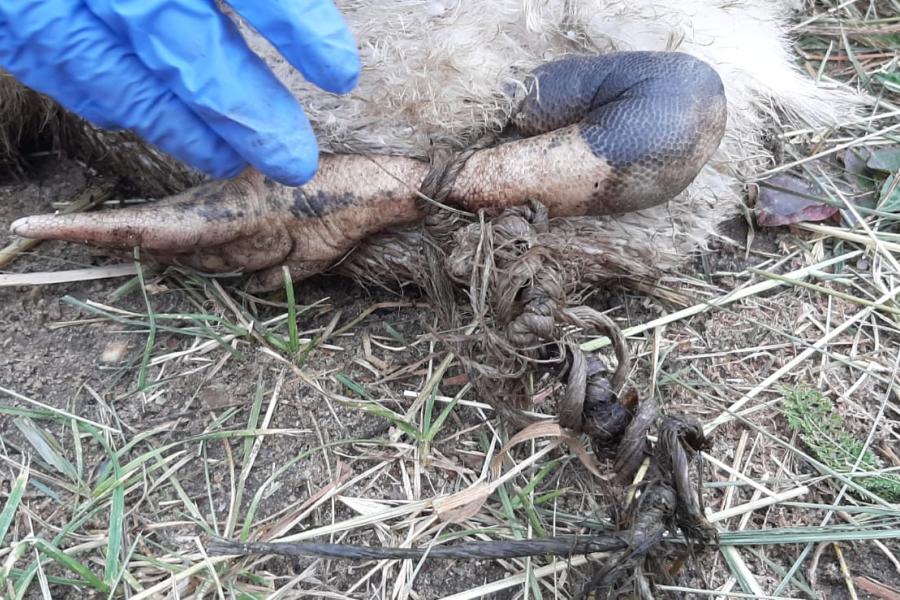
x=464, y=504
x=785, y=199
x=877, y=589
x=546, y=429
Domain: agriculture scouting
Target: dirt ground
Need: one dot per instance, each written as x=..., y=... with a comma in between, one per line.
x=64, y=356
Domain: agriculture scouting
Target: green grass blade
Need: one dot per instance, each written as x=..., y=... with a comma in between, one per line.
x=116, y=527
x=246, y=461
x=445, y=414
x=353, y=386
x=397, y=419
x=293, y=334
x=151, y=333
x=260, y=492
x=16, y=552
x=23, y=581
x=47, y=447
x=12, y=503
x=71, y=564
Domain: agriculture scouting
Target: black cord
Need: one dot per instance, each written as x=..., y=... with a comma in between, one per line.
x=558, y=546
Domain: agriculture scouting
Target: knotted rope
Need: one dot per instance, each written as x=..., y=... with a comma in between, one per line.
x=523, y=276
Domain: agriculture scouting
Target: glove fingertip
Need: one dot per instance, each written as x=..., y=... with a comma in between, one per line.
x=298, y=171
x=291, y=160
x=225, y=169
x=345, y=76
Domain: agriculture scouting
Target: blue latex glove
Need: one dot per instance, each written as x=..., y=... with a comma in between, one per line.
x=179, y=73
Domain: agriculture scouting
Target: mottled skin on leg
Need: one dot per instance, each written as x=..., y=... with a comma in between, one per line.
x=603, y=135
x=610, y=134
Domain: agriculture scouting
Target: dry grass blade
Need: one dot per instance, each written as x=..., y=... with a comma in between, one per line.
x=327, y=414
x=73, y=275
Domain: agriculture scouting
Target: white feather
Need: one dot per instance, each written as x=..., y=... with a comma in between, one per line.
x=436, y=70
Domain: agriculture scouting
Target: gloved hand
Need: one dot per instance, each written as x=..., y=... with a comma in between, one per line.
x=179, y=74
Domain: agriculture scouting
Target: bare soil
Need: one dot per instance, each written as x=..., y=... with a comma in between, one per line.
x=56, y=353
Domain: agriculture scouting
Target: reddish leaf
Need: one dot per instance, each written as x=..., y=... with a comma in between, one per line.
x=785, y=199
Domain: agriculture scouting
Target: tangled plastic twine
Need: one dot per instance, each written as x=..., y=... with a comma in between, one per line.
x=521, y=279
